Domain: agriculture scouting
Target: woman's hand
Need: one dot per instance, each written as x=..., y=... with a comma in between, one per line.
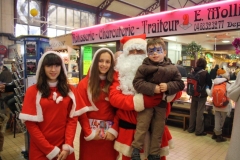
x=63, y=155
x=109, y=136
x=97, y=135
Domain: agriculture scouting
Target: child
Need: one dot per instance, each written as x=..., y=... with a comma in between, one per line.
x=156, y=75
x=50, y=111
x=220, y=112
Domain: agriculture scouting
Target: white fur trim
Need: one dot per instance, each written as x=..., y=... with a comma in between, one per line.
x=39, y=108
x=53, y=153
x=60, y=98
x=73, y=110
x=164, y=151
x=81, y=111
x=135, y=43
x=138, y=102
x=28, y=117
x=169, y=97
x=123, y=148
x=54, y=96
x=91, y=136
x=90, y=100
x=67, y=147
x=41, y=60
x=113, y=131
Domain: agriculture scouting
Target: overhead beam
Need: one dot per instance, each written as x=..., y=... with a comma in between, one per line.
x=129, y=4
x=101, y=9
x=150, y=9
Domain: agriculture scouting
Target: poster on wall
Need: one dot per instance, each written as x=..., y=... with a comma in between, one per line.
x=31, y=66
x=87, y=59
x=30, y=48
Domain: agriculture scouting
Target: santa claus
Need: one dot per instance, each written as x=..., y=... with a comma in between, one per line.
x=123, y=96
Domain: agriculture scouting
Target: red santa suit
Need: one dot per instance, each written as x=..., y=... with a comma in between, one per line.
x=51, y=122
x=99, y=110
x=123, y=96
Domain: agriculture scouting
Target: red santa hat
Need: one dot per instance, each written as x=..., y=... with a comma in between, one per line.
x=134, y=42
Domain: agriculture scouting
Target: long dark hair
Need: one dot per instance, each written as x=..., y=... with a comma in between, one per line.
x=42, y=83
x=94, y=79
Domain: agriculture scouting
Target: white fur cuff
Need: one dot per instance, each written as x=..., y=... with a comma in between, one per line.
x=138, y=102
x=53, y=153
x=67, y=147
x=91, y=136
x=113, y=131
x=169, y=97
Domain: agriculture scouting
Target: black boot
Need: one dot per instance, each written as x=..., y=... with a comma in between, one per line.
x=154, y=157
x=214, y=136
x=220, y=138
x=135, y=154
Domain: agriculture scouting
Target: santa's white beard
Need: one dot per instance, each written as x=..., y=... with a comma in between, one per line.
x=127, y=66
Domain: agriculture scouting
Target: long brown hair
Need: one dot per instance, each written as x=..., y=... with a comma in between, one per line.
x=94, y=79
x=42, y=83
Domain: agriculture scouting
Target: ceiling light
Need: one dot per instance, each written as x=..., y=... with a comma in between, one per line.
x=101, y=45
x=226, y=41
x=111, y=44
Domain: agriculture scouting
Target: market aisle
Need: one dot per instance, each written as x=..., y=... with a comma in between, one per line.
x=187, y=146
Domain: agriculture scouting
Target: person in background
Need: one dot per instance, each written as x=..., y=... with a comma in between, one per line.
x=50, y=111
x=233, y=92
x=213, y=72
x=156, y=75
x=74, y=68
x=100, y=114
x=128, y=102
x=181, y=69
x=196, y=121
x=5, y=75
x=220, y=112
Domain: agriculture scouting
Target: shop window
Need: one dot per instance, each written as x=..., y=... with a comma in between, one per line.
x=91, y=20
x=69, y=17
x=60, y=32
x=51, y=32
x=84, y=19
x=76, y=19
x=52, y=14
x=61, y=16
x=23, y=16
x=23, y=30
x=20, y=30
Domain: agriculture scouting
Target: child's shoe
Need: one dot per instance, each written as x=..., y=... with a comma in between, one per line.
x=154, y=157
x=135, y=154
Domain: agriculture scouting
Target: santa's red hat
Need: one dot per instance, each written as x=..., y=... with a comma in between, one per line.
x=134, y=42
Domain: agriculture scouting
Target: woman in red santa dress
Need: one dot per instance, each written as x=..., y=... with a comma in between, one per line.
x=94, y=91
x=123, y=96
x=50, y=111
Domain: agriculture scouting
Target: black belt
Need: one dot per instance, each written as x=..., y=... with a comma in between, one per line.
x=126, y=125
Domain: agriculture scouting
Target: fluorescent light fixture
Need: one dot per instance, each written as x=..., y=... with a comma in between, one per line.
x=101, y=45
x=111, y=44
x=226, y=41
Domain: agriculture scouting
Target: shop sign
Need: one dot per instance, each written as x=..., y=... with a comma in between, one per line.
x=218, y=16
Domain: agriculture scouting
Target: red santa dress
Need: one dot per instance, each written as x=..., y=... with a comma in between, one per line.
x=128, y=105
x=102, y=110
x=51, y=122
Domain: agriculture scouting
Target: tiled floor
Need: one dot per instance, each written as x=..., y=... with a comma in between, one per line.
x=187, y=146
